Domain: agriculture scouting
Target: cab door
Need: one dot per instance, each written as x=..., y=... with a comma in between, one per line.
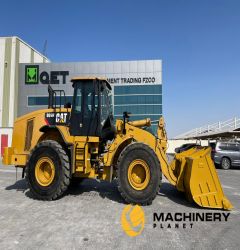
x=84, y=119
x=76, y=119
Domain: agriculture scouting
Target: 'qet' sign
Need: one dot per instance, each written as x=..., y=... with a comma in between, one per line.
x=33, y=76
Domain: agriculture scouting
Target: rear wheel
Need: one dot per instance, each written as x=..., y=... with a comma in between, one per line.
x=225, y=163
x=139, y=174
x=48, y=171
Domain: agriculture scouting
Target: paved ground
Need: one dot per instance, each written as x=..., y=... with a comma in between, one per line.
x=88, y=217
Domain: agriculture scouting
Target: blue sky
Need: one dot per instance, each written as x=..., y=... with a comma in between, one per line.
x=198, y=41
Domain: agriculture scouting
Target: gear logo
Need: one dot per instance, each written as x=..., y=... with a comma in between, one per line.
x=133, y=220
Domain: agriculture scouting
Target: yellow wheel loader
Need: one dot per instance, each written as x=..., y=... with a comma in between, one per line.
x=62, y=144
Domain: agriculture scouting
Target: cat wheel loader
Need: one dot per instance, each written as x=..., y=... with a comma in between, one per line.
x=62, y=144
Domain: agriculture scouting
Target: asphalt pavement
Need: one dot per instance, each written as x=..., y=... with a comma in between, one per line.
x=88, y=217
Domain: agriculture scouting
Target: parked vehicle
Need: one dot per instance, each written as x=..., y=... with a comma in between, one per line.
x=185, y=147
x=226, y=153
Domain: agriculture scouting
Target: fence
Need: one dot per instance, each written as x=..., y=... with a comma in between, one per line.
x=228, y=125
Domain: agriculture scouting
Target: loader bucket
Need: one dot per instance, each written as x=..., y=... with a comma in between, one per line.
x=178, y=167
x=197, y=177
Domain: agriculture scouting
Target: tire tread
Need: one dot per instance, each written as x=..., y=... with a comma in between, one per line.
x=65, y=165
x=132, y=146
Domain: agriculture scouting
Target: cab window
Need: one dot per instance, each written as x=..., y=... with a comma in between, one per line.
x=78, y=100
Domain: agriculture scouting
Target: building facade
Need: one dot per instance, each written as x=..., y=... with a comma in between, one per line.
x=136, y=85
x=13, y=51
x=25, y=74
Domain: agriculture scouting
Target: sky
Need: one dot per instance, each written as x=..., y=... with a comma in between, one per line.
x=198, y=42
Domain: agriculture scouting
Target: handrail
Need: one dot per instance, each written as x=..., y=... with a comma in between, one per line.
x=230, y=124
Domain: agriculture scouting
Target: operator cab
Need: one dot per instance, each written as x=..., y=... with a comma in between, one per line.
x=91, y=113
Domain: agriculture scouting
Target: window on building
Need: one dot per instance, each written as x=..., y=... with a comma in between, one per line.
x=138, y=99
x=138, y=109
x=139, y=89
x=43, y=100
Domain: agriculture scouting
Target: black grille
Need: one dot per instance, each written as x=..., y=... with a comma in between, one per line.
x=29, y=132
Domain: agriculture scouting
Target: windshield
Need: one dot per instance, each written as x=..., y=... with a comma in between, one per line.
x=84, y=100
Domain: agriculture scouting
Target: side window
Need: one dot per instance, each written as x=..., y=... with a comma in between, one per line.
x=78, y=100
x=89, y=101
x=223, y=146
x=233, y=147
x=104, y=106
x=96, y=102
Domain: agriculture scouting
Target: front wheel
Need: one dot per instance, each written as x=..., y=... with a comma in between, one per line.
x=48, y=171
x=225, y=163
x=139, y=174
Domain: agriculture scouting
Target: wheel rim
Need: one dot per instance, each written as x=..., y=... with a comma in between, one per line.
x=138, y=174
x=226, y=163
x=44, y=171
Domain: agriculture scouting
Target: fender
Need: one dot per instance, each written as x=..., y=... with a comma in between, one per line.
x=62, y=130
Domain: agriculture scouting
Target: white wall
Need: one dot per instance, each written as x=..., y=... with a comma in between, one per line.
x=24, y=53
x=37, y=58
x=2, y=62
x=12, y=82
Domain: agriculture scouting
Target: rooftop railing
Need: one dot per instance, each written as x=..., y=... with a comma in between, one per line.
x=228, y=125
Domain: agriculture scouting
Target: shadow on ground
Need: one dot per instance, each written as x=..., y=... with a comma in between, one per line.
x=107, y=190
x=103, y=188
x=19, y=185
x=174, y=195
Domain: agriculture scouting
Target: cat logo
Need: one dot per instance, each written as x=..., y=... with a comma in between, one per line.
x=61, y=117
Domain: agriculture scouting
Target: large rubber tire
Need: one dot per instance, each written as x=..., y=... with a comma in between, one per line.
x=131, y=153
x=52, y=150
x=225, y=163
x=75, y=181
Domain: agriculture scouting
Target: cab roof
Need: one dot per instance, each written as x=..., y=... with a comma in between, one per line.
x=85, y=78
